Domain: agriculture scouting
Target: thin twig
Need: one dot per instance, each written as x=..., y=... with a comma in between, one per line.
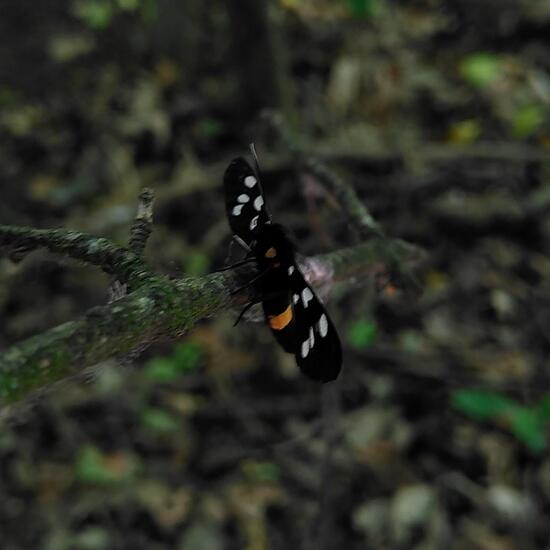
x=92, y=250
x=139, y=234
x=355, y=211
x=143, y=224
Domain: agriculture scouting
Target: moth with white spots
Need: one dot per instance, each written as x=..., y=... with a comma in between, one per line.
x=297, y=318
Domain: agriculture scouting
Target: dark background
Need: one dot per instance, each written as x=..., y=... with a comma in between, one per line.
x=437, y=112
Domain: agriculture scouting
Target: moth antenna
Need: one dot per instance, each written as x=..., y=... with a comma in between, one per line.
x=236, y=264
x=255, y=157
x=258, y=171
x=241, y=243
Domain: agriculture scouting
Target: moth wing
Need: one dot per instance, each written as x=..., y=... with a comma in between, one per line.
x=244, y=200
x=318, y=349
x=282, y=325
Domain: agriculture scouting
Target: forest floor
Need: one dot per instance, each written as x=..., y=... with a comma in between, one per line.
x=437, y=114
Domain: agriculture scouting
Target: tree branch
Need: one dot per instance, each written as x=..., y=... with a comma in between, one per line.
x=162, y=308
x=158, y=308
x=355, y=211
x=112, y=259
x=143, y=224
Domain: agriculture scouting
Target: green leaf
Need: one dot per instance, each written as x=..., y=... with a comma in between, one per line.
x=543, y=409
x=465, y=131
x=482, y=405
x=196, y=263
x=528, y=424
x=527, y=120
x=64, y=48
x=364, y=8
x=97, y=14
x=161, y=369
x=186, y=357
x=159, y=420
x=528, y=427
x=261, y=471
x=209, y=128
x=362, y=333
x=93, y=467
x=481, y=69
x=90, y=468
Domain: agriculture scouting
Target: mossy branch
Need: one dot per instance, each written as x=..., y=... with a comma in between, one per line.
x=158, y=308
x=114, y=260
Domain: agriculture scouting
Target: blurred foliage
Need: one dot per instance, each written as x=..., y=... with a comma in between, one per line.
x=196, y=263
x=160, y=421
x=465, y=131
x=95, y=468
x=530, y=424
x=201, y=536
x=186, y=357
x=528, y=119
x=364, y=8
x=361, y=333
x=261, y=471
x=99, y=14
x=7, y=96
x=438, y=113
x=481, y=69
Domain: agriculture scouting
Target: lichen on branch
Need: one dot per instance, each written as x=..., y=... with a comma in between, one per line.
x=159, y=308
x=98, y=251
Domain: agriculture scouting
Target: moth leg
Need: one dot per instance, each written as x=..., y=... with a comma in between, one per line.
x=246, y=308
x=236, y=264
x=257, y=301
x=249, y=283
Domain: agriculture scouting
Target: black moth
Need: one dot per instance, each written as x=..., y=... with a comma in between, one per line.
x=295, y=315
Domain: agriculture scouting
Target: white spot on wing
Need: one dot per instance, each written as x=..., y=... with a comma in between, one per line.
x=295, y=298
x=237, y=210
x=243, y=198
x=250, y=181
x=307, y=296
x=311, y=338
x=253, y=222
x=291, y=270
x=258, y=203
x=323, y=325
x=305, y=348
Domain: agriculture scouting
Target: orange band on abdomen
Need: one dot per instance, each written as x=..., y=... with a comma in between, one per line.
x=279, y=322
